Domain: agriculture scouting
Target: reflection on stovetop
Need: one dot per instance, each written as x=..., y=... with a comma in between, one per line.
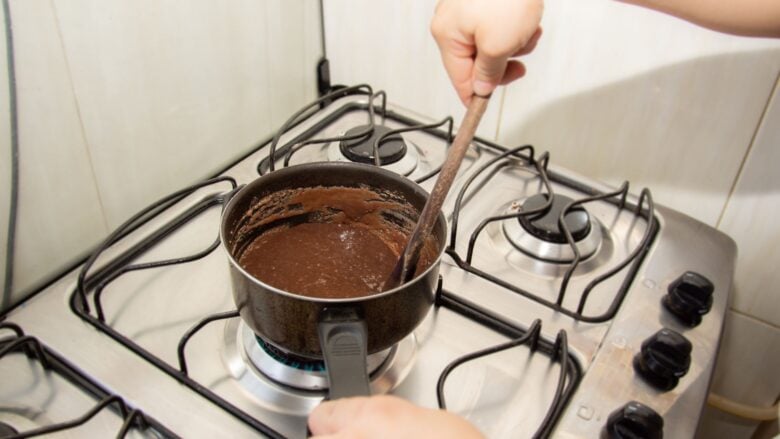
x=41, y=393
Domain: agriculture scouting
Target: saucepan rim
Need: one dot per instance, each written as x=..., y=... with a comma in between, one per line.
x=327, y=300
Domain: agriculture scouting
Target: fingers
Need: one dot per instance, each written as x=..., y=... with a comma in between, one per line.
x=531, y=45
x=385, y=416
x=514, y=70
x=456, y=46
x=459, y=68
x=477, y=38
x=488, y=71
x=333, y=416
x=493, y=66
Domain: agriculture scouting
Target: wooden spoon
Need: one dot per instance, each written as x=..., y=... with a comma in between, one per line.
x=405, y=267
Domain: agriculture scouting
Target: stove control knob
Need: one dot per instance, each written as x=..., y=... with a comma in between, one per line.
x=664, y=358
x=634, y=421
x=689, y=298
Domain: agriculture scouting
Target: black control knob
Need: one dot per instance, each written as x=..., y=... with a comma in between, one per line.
x=634, y=421
x=664, y=358
x=689, y=298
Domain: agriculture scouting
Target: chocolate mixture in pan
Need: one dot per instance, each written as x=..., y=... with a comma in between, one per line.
x=334, y=242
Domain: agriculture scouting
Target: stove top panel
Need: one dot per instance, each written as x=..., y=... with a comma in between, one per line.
x=157, y=323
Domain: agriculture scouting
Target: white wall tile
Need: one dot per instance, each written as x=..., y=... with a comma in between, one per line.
x=388, y=45
x=154, y=95
x=747, y=372
x=294, y=48
x=59, y=210
x=619, y=92
x=312, y=44
x=751, y=219
x=171, y=91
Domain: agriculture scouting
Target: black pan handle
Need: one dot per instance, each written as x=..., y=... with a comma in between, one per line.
x=344, y=346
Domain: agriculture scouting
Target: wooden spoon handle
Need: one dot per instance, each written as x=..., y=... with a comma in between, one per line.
x=408, y=261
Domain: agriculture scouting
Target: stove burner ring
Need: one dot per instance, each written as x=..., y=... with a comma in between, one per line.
x=395, y=153
x=291, y=360
x=361, y=150
x=541, y=241
x=6, y=430
x=242, y=352
x=296, y=371
x=545, y=224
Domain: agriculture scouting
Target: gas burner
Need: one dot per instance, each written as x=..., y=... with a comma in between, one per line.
x=361, y=150
x=539, y=235
x=287, y=389
x=296, y=371
x=545, y=224
x=290, y=360
x=394, y=152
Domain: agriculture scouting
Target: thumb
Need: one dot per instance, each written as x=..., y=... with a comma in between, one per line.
x=488, y=71
x=331, y=417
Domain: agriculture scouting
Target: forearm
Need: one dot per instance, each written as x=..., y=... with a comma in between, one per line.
x=740, y=17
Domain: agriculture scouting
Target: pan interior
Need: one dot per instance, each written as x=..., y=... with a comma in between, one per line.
x=327, y=241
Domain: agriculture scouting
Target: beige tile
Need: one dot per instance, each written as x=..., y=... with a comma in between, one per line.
x=748, y=362
x=716, y=424
x=172, y=91
x=747, y=372
x=312, y=44
x=751, y=219
x=59, y=210
x=387, y=44
x=624, y=93
x=293, y=39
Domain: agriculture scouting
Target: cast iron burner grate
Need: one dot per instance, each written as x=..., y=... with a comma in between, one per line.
x=92, y=283
x=308, y=138
x=49, y=361
x=644, y=208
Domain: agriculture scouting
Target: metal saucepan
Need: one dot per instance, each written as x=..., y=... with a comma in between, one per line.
x=343, y=331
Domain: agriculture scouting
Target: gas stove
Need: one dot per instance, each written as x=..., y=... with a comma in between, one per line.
x=565, y=307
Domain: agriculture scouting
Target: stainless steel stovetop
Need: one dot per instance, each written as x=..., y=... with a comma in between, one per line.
x=153, y=321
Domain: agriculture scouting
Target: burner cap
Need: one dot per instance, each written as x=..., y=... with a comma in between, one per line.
x=361, y=150
x=300, y=372
x=291, y=360
x=6, y=430
x=545, y=224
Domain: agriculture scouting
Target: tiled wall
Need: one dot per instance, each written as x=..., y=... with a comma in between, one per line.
x=121, y=102
x=618, y=92
x=749, y=371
